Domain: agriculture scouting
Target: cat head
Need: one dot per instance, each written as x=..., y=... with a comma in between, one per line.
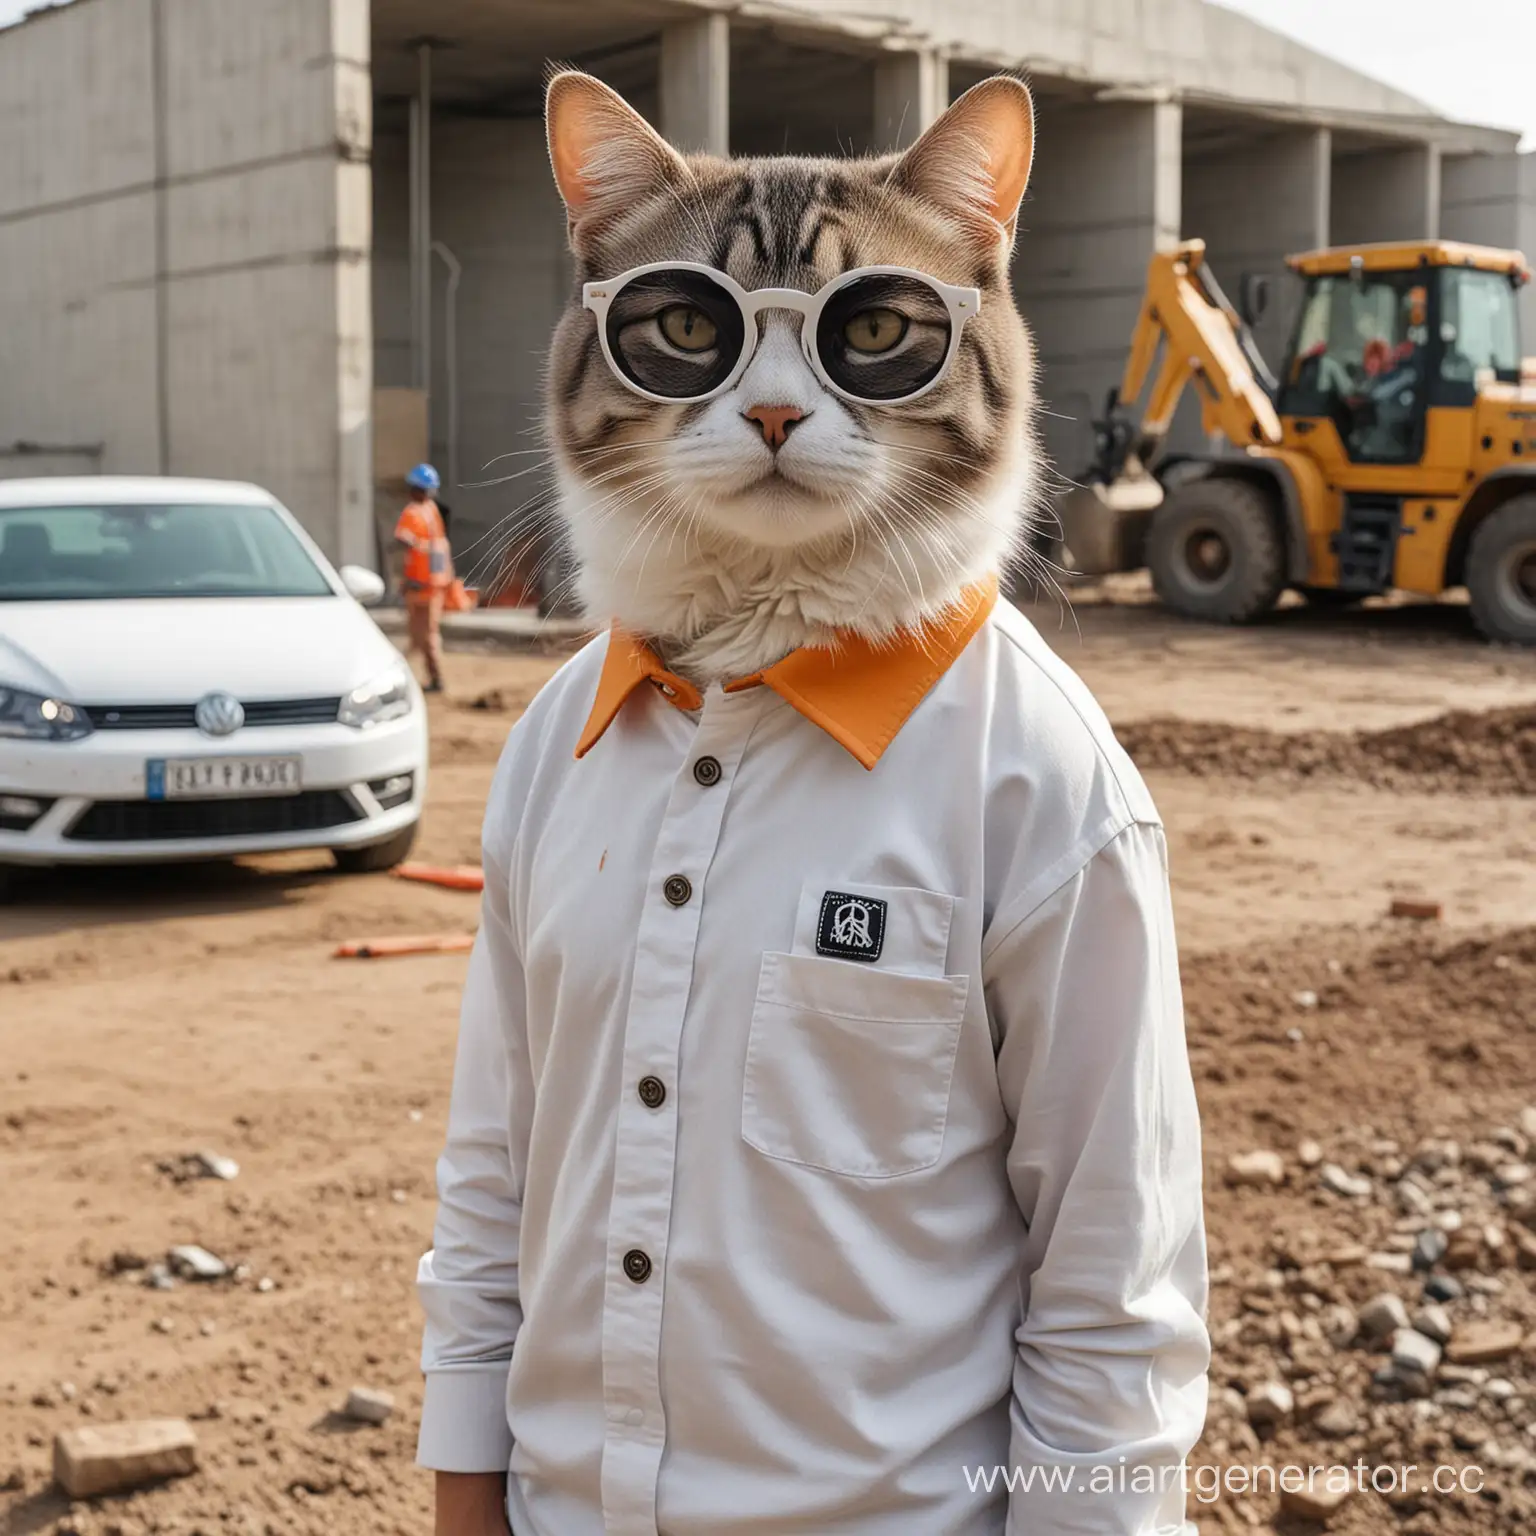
x=789, y=501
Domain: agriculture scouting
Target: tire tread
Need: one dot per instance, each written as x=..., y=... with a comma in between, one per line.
x=1258, y=549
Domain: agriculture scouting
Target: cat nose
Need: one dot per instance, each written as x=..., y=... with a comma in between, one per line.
x=775, y=420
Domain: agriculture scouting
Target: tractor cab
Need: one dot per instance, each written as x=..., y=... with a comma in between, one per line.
x=1389, y=333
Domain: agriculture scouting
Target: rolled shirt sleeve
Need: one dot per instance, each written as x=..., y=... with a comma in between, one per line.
x=468, y=1282
x=1110, y=1375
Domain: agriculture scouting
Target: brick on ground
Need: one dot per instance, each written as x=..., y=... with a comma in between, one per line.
x=1481, y=1343
x=110, y=1458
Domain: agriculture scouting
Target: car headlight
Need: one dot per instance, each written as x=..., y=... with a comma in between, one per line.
x=40, y=717
x=385, y=697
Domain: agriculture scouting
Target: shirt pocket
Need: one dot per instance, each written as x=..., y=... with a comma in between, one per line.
x=848, y=1069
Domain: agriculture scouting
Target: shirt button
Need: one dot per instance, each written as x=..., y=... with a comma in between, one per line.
x=652, y=1091
x=678, y=890
x=707, y=771
x=637, y=1265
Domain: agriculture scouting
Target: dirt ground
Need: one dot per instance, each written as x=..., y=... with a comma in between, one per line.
x=1307, y=778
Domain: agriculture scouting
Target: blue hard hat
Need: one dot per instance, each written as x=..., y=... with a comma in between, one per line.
x=423, y=477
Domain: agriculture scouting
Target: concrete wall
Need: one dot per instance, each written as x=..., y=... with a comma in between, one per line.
x=185, y=241
x=1254, y=205
x=1105, y=195
x=77, y=233
x=1391, y=194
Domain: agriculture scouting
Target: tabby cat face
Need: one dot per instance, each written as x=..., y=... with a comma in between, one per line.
x=931, y=490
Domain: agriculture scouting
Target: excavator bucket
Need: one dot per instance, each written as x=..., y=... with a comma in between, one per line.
x=1104, y=527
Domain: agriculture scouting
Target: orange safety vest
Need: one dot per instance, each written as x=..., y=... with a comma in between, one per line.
x=428, y=567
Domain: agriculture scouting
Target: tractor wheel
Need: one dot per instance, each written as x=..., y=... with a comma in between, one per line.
x=1216, y=551
x=1501, y=573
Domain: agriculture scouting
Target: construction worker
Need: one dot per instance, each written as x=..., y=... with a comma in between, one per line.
x=428, y=569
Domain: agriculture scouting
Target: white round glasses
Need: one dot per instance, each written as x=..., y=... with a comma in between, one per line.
x=683, y=332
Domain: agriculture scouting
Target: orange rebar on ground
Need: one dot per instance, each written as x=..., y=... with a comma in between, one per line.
x=455, y=877
x=418, y=944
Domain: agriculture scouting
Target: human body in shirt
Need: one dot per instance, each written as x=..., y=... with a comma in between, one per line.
x=427, y=570
x=822, y=1155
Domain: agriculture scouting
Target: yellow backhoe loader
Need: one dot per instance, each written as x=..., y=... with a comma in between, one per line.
x=1396, y=450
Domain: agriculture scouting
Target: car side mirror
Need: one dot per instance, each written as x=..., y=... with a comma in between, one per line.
x=1253, y=296
x=362, y=584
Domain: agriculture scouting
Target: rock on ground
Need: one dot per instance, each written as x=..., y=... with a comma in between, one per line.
x=1257, y=1168
x=1269, y=1403
x=368, y=1406
x=1382, y=1315
x=1320, y=1502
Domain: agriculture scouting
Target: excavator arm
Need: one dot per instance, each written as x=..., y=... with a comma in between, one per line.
x=1202, y=340
x=1186, y=333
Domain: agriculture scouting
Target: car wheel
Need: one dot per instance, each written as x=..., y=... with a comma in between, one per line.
x=1216, y=552
x=7, y=884
x=1501, y=573
x=376, y=856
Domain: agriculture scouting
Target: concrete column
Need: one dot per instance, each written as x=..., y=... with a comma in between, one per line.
x=1491, y=200
x=1106, y=194
x=1389, y=194
x=269, y=357
x=696, y=84
x=1255, y=205
x=911, y=91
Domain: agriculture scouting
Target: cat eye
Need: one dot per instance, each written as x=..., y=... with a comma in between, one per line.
x=688, y=328
x=682, y=331
x=875, y=330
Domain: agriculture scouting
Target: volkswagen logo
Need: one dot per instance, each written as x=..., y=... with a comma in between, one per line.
x=219, y=714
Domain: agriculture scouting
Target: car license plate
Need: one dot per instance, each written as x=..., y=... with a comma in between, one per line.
x=208, y=778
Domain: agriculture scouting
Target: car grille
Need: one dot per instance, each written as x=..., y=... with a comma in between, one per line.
x=133, y=821
x=291, y=711
x=178, y=717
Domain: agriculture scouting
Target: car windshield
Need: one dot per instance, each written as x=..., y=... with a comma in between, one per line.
x=137, y=550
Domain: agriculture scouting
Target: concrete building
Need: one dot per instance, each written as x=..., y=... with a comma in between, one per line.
x=307, y=241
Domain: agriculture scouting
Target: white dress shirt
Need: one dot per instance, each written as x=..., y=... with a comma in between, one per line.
x=822, y=1141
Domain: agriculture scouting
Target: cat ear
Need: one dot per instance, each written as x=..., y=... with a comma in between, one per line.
x=974, y=161
x=604, y=154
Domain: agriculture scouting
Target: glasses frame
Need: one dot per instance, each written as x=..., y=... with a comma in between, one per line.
x=961, y=303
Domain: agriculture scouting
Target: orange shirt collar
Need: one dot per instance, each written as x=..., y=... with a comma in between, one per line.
x=859, y=692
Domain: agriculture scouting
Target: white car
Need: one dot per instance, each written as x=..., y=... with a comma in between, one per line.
x=184, y=676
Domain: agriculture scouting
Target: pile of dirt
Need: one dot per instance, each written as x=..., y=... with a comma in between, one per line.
x=1412, y=1028
x=1493, y=752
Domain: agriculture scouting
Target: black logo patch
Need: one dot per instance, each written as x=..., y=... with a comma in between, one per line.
x=851, y=927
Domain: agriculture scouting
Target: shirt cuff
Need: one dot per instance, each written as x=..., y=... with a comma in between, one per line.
x=464, y=1425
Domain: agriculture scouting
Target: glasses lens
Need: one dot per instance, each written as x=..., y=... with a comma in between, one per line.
x=882, y=338
x=675, y=333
